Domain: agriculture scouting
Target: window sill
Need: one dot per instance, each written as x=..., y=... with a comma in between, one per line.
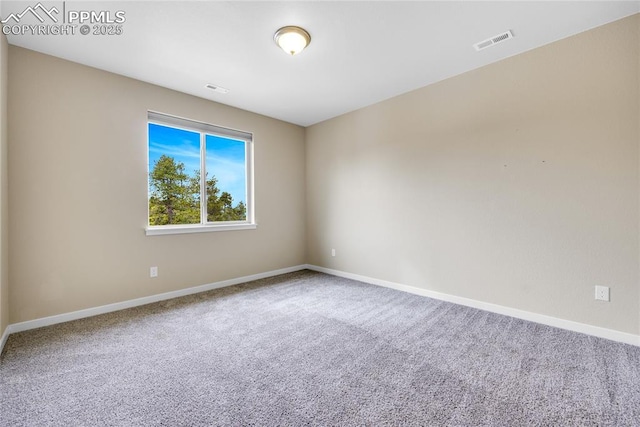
x=186, y=229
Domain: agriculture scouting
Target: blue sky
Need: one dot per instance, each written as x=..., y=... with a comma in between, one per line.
x=225, y=157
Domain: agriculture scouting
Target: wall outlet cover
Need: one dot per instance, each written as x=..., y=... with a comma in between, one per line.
x=602, y=293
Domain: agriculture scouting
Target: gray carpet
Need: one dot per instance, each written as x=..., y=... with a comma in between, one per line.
x=307, y=349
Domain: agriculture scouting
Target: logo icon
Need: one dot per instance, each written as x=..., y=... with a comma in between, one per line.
x=34, y=11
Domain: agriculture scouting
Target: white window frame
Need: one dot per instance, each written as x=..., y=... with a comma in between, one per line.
x=205, y=129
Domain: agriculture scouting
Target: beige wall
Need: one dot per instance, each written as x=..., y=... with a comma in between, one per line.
x=514, y=184
x=77, y=207
x=4, y=233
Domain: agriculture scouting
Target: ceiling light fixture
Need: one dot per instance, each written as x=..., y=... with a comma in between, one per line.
x=292, y=39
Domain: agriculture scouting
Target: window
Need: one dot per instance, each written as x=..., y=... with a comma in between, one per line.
x=200, y=176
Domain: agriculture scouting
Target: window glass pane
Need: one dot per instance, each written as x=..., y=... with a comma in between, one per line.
x=226, y=179
x=174, y=176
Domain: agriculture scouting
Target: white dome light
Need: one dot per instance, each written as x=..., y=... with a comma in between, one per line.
x=292, y=39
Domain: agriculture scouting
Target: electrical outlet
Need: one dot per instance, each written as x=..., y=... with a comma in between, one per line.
x=333, y=252
x=153, y=272
x=602, y=293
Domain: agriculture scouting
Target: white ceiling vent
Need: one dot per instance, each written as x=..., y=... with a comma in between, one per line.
x=216, y=88
x=493, y=40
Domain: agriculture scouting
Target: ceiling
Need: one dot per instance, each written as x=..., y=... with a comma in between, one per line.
x=360, y=53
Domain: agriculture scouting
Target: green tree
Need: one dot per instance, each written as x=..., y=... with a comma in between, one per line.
x=213, y=201
x=175, y=196
x=172, y=199
x=220, y=208
x=240, y=211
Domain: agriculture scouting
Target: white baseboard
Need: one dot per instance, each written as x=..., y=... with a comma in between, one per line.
x=80, y=314
x=520, y=314
x=3, y=340
x=596, y=331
